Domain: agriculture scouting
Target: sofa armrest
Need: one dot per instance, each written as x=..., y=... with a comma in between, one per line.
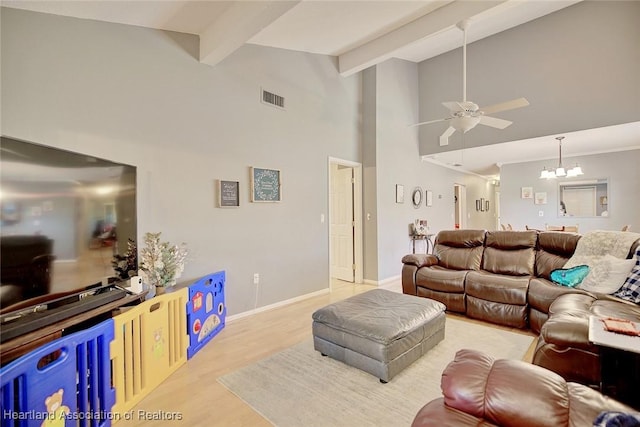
x=420, y=260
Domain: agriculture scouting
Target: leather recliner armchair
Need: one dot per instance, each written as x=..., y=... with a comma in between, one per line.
x=482, y=391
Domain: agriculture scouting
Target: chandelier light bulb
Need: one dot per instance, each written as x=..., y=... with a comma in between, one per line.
x=544, y=173
x=577, y=170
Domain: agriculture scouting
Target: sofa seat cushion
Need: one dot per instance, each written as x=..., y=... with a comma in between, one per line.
x=497, y=287
x=543, y=292
x=568, y=324
x=612, y=307
x=441, y=279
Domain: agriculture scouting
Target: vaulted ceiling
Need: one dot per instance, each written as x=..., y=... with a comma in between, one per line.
x=360, y=33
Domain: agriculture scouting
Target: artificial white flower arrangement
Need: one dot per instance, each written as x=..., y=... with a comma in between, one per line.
x=161, y=263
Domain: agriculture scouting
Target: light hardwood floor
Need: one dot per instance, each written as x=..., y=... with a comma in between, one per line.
x=193, y=392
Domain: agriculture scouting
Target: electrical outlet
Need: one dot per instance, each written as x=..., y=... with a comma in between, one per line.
x=256, y=278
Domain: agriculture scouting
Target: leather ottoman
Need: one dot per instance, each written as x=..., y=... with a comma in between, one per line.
x=380, y=332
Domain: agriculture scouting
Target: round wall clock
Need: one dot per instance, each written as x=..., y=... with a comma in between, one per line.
x=416, y=197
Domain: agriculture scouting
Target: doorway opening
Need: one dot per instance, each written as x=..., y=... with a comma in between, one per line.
x=345, y=222
x=460, y=206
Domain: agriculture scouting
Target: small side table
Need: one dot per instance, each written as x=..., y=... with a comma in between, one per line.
x=427, y=241
x=619, y=362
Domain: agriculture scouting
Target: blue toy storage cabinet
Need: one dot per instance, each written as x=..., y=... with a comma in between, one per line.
x=66, y=382
x=206, y=310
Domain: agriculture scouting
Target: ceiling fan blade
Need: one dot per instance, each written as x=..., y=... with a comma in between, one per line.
x=453, y=106
x=429, y=122
x=444, y=138
x=504, y=106
x=494, y=122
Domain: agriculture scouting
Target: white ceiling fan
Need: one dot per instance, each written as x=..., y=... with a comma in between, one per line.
x=465, y=115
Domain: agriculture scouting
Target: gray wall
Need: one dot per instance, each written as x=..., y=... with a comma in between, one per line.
x=391, y=86
x=369, y=158
x=138, y=96
x=578, y=68
x=621, y=170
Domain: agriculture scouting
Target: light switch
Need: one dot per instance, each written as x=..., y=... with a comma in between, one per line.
x=540, y=213
x=322, y=218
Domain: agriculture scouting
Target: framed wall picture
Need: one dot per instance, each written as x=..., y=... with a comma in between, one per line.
x=266, y=185
x=429, y=199
x=399, y=193
x=541, y=198
x=526, y=193
x=228, y=194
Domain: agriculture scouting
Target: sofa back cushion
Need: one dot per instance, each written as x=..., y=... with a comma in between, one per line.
x=510, y=252
x=459, y=249
x=493, y=389
x=554, y=249
x=514, y=393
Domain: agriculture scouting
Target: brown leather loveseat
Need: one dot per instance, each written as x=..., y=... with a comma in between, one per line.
x=481, y=391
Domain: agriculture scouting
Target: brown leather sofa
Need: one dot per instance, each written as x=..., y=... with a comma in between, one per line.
x=481, y=391
x=496, y=276
x=503, y=277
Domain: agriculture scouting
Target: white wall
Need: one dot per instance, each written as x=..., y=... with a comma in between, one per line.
x=138, y=96
x=620, y=168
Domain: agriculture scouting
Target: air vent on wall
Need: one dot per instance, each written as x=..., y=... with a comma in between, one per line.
x=272, y=99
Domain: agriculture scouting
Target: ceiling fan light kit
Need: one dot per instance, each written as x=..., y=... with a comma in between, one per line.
x=560, y=171
x=465, y=115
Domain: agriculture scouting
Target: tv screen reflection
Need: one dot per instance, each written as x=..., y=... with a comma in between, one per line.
x=64, y=215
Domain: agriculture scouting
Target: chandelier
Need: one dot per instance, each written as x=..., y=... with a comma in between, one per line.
x=560, y=171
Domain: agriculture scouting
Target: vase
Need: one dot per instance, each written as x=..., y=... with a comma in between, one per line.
x=160, y=290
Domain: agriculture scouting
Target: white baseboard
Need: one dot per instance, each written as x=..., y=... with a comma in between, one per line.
x=276, y=305
x=383, y=283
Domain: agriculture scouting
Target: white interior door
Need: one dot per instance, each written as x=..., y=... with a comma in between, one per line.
x=342, y=223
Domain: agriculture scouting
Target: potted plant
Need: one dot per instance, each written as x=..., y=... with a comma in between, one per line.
x=161, y=263
x=126, y=265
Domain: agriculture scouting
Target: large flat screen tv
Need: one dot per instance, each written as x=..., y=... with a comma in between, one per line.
x=63, y=217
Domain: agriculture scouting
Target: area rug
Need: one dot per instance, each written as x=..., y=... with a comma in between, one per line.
x=299, y=387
